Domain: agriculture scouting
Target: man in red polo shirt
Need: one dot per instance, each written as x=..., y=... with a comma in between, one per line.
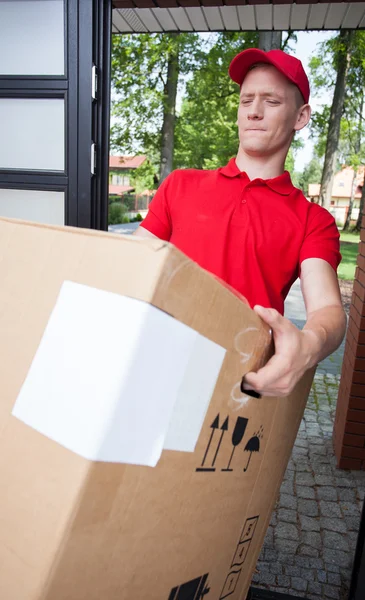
x=249, y=225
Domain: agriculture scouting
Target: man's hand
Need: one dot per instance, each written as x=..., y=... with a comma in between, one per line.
x=293, y=353
x=295, y=350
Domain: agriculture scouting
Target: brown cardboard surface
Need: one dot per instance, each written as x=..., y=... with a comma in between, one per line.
x=71, y=528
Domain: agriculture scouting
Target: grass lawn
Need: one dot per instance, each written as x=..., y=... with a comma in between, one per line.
x=349, y=249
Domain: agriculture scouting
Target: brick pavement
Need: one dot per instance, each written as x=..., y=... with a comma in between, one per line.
x=310, y=544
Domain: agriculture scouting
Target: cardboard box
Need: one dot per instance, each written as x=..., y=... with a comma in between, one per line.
x=74, y=522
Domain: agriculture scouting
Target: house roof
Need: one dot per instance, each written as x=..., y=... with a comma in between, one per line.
x=118, y=190
x=342, y=184
x=235, y=15
x=126, y=162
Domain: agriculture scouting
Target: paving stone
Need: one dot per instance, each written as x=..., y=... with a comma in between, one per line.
x=287, y=515
x=287, y=487
x=321, y=576
x=331, y=592
x=344, y=482
x=288, y=501
x=274, y=519
x=329, y=509
x=285, y=545
x=303, y=478
x=267, y=578
x=303, y=561
x=321, y=468
x=334, y=579
x=269, y=537
x=352, y=523
x=301, y=442
x=283, y=581
x=303, y=467
x=315, y=588
x=337, y=557
x=256, y=578
x=292, y=571
x=315, y=440
x=332, y=568
x=310, y=416
x=318, y=450
x=335, y=540
x=286, y=559
x=311, y=538
x=271, y=555
x=350, y=509
x=298, y=583
x=308, y=551
x=309, y=523
x=316, y=563
x=263, y=567
x=336, y=524
x=276, y=568
x=304, y=491
x=308, y=574
x=296, y=593
x=347, y=495
x=352, y=538
x=298, y=452
x=309, y=508
x=327, y=492
x=289, y=475
x=287, y=531
x=324, y=479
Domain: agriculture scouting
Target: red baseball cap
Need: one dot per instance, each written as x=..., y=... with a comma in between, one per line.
x=288, y=65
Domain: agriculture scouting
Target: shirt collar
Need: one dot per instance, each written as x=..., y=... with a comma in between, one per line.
x=281, y=185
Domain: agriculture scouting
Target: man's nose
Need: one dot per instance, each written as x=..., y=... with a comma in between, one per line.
x=255, y=111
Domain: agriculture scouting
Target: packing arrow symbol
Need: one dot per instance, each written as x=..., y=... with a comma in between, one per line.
x=214, y=426
x=224, y=428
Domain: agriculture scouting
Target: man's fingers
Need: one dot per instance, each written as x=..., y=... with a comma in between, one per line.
x=271, y=316
x=272, y=377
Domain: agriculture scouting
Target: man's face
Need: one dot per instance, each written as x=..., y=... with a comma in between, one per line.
x=268, y=112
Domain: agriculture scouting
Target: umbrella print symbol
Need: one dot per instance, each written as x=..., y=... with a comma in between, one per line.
x=253, y=445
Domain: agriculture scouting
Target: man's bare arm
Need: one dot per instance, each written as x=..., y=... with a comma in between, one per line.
x=326, y=319
x=295, y=350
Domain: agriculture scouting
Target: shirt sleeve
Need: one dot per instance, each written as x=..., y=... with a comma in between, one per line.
x=322, y=238
x=158, y=219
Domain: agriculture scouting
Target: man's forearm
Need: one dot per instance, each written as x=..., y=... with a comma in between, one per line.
x=324, y=332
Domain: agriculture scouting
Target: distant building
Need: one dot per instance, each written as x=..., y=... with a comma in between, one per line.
x=341, y=193
x=120, y=171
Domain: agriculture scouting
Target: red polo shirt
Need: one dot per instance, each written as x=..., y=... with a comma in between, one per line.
x=252, y=234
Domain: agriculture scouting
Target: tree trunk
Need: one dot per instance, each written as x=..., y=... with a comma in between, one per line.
x=361, y=209
x=344, y=55
x=168, y=126
x=346, y=226
x=270, y=40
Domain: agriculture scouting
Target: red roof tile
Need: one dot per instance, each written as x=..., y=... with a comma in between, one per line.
x=126, y=162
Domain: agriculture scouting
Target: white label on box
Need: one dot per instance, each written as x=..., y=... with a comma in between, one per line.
x=115, y=379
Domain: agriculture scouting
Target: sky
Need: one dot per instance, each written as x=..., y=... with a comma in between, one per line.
x=304, y=49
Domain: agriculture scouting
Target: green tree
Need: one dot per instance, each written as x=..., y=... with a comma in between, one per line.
x=206, y=131
x=146, y=71
x=339, y=65
x=311, y=173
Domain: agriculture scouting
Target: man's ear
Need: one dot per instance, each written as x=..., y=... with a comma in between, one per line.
x=303, y=118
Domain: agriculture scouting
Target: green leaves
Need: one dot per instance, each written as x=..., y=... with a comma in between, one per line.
x=205, y=130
